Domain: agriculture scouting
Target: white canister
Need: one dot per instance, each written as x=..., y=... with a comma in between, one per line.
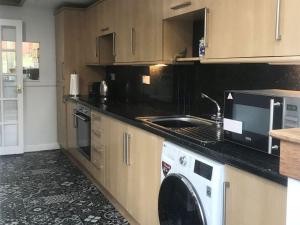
x=74, y=85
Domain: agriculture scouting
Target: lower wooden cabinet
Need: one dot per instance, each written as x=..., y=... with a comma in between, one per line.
x=71, y=126
x=252, y=200
x=99, y=143
x=132, y=166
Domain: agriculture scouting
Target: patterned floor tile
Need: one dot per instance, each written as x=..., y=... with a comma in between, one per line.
x=46, y=188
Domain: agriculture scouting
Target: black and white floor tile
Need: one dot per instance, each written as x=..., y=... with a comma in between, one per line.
x=46, y=188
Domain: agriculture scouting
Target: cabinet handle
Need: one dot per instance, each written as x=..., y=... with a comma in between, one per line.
x=74, y=119
x=105, y=29
x=124, y=146
x=132, y=40
x=181, y=5
x=226, y=185
x=128, y=136
x=114, y=44
x=97, y=47
x=277, y=28
x=96, y=133
x=206, y=12
x=62, y=71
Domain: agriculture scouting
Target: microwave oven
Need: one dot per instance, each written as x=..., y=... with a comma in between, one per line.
x=249, y=116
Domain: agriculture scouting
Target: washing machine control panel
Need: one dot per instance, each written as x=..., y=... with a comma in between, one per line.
x=183, y=160
x=203, y=169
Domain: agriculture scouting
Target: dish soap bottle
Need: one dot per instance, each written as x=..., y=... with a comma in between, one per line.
x=201, y=47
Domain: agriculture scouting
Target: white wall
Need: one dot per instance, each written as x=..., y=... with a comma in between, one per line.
x=40, y=130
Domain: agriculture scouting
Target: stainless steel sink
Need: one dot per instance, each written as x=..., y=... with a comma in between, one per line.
x=202, y=130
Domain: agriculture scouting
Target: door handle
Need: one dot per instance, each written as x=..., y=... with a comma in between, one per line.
x=132, y=40
x=74, y=120
x=273, y=104
x=97, y=46
x=277, y=28
x=206, y=12
x=19, y=89
x=114, y=44
x=128, y=137
x=124, y=147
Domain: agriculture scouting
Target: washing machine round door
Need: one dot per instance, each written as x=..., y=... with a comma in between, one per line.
x=179, y=203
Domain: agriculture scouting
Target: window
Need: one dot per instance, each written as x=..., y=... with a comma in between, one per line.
x=31, y=59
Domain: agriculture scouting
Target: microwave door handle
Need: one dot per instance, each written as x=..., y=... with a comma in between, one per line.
x=273, y=104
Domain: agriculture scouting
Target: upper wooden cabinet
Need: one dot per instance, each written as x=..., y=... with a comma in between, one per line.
x=139, y=31
x=106, y=16
x=252, y=28
x=289, y=29
x=253, y=200
x=91, y=36
x=172, y=8
x=241, y=28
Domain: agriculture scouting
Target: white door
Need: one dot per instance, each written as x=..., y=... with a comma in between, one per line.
x=11, y=88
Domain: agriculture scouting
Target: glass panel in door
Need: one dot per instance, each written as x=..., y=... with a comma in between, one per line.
x=11, y=83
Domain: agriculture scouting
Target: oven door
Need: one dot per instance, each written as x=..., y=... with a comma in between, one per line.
x=249, y=118
x=178, y=202
x=83, y=130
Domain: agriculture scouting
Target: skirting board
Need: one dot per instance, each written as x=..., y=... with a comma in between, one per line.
x=41, y=147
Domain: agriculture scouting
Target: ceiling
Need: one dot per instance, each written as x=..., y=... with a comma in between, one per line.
x=47, y=4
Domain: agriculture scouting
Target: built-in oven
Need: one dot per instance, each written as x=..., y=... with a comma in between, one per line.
x=250, y=115
x=82, y=122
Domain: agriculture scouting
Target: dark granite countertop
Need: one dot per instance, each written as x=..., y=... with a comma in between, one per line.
x=255, y=162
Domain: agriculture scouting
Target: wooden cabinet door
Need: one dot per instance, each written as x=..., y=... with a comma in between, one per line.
x=144, y=155
x=91, y=36
x=106, y=12
x=241, y=28
x=116, y=169
x=253, y=200
x=61, y=118
x=124, y=31
x=71, y=126
x=289, y=29
x=147, y=31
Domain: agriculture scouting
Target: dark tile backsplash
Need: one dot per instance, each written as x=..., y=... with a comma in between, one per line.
x=182, y=84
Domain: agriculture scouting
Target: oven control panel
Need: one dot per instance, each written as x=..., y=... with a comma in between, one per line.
x=291, y=113
x=83, y=109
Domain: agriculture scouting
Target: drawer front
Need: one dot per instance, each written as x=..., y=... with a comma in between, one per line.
x=178, y=7
x=98, y=158
x=96, y=120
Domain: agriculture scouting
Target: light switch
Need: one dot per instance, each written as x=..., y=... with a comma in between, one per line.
x=146, y=79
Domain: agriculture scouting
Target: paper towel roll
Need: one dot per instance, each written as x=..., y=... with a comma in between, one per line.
x=74, y=84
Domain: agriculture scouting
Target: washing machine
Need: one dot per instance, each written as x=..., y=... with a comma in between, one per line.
x=191, y=191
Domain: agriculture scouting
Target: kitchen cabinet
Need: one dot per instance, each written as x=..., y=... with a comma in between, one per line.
x=172, y=8
x=133, y=170
x=71, y=127
x=289, y=32
x=250, y=199
x=116, y=169
x=252, y=29
x=91, y=36
x=241, y=28
x=99, y=141
x=139, y=31
x=61, y=117
x=144, y=158
x=106, y=17
x=124, y=31
x=68, y=54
